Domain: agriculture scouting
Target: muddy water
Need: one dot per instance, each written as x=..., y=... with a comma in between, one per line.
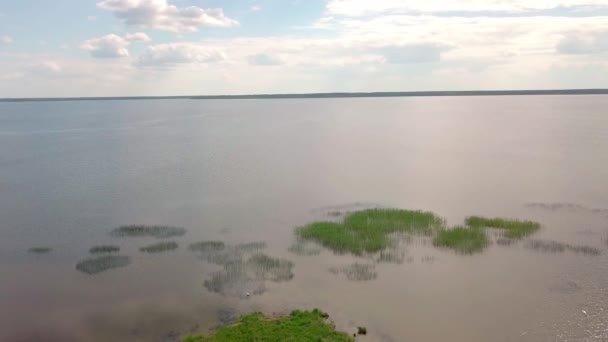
x=250, y=171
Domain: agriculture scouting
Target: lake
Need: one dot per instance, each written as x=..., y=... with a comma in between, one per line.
x=251, y=171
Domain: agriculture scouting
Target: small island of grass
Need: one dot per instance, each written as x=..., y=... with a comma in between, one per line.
x=40, y=250
x=299, y=326
x=462, y=240
x=514, y=229
x=372, y=231
x=104, y=249
x=367, y=231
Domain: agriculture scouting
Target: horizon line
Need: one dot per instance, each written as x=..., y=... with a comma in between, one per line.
x=589, y=91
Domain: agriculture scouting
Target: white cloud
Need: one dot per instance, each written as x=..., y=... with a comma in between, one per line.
x=375, y=45
x=113, y=46
x=412, y=53
x=264, y=59
x=583, y=43
x=46, y=68
x=6, y=39
x=179, y=53
x=137, y=37
x=161, y=15
x=255, y=8
x=365, y=7
x=12, y=76
x=91, y=18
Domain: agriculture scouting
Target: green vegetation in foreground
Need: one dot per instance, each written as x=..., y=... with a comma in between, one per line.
x=368, y=230
x=514, y=229
x=462, y=240
x=299, y=326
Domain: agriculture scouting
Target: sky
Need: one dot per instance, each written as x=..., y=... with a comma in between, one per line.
x=197, y=47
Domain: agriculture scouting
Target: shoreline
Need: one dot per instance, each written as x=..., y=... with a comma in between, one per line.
x=324, y=95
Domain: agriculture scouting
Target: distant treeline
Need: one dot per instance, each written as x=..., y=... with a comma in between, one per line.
x=327, y=95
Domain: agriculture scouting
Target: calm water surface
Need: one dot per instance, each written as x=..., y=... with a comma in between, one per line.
x=252, y=170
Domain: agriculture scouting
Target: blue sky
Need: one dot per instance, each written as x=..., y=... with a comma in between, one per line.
x=183, y=47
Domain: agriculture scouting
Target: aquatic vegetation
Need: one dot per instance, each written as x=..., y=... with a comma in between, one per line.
x=249, y=247
x=514, y=229
x=342, y=209
x=243, y=278
x=227, y=316
x=160, y=247
x=553, y=206
x=269, y=268
x=224, y=257
x=377, y=232
x=299, y=326
x=558, y=247
x=103, y=263
x=159, y=232
x=217, y=252
x=234, y=281
x=570, y=207
x=462, y=240
x=104, y=249
x=503, y=241
x=391, y=256
x=566, y=287
x=361, y=331
x=305, y=248
x=207, y=246
x=427, y=259
x=356, y=272
x=546, y=246
x=368, y=231
x=588, y=250
x=40, y=250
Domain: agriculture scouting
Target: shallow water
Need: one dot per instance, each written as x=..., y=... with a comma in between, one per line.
x=251, y=171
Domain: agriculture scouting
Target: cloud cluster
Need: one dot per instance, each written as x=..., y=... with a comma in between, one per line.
x=6, y=39
x=356, y=45
x=264, y=59
x=179, y=53
x=47, y=68
x=113, y=46
x=583, y=43
x=161, y=15
x=355, y=8
x=412, y=53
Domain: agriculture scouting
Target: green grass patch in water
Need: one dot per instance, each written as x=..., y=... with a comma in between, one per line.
x=101, y=264
x=304, y=248
x=207, y=246
x=391, y=256
x=243, y=278
x=462, y=240
x=104, y=249
x=40, y=250
x=217, y=252
x=299, y=326
x=368, y=231
x=249, y=247
x=558, y=247
x=357, y=272
x=160, y=247
x=159, y=232
x=513, y=229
